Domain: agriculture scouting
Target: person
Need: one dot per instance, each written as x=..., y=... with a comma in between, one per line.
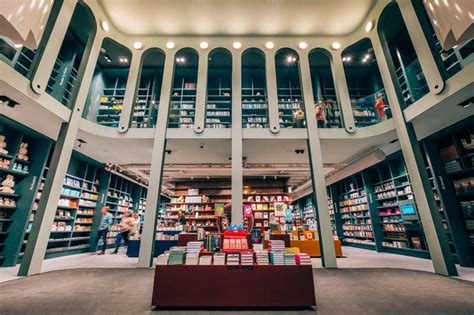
x=125, y=227
x=105, y=223
x=298, y=115
x=320, y=115
x=380, y=107
x=135, y=232
x=181, y=217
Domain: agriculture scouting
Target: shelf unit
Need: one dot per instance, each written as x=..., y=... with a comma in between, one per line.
x=363, y=109
x=219, y=107
x=111, y=104
x=13, y=214
x=81, y=198
x=254, y=105
x=182, y=107
x=145, y=110
x=289, y=98
x=357, y=227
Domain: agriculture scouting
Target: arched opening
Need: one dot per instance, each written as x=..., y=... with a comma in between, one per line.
x=219, y=89
x=147, y=96
x=366, y=90
x=107, y=90
x=328, y=113
x=183, y=94
x=291, y=108
x=254, y=89
x=404, y=61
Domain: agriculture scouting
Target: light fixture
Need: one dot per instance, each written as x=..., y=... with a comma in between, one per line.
x=123, y=59
x=104, y=25
x=180, y=59
x=237, y=45
x=170, y=45
x=369, y=26
x=269, y=45
x=303, y=45
x=346, y=58
x=290, y=59
x=336, y=45
x=138, y=45
x=107, y=58
x=204, y=45
x=18, y=46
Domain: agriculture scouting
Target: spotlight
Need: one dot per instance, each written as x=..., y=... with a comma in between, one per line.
x=237, y=45
x=269, y=45
x=369, y=26
x=204, y=45
x=336, y=45
x=18, y=46
x=104, y=25
x=170, y=45
x=303, y=45
x=138, y=45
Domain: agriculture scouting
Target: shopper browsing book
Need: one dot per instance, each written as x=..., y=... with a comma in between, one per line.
x=105, y=223
x=126, y=227
x=298, y=116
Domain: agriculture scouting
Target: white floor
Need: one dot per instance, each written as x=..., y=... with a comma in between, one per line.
x=355, y=258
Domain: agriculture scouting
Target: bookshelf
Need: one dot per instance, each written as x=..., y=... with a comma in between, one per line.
x=182, y=108
x=25, y=174
x=111, y=104
x=357, y=227
x=289, y=99
x=254, y=91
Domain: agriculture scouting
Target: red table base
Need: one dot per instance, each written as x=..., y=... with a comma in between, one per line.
x=233, y=287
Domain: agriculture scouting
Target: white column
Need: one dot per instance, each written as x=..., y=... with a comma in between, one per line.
x=201, y=93
x=433, y=229
x=342, y=92
x=326, y=240
x=131, y=90
x=41, y=229
x=422, y=48
x=145, y=258
x=50, y=52
x=237, y=172
x=272, y=93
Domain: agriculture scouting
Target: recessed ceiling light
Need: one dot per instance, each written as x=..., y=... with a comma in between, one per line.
x=269, y=45
x=170, y=45
x=123, y=59
x=369, y=26
x=104, y=25
x=303, y=45
x=138, y=45
x=18, y=46
x=237, y=45
x=336, y=45
x=204, y=45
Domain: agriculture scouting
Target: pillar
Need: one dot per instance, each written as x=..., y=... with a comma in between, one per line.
x=272, y=93
x=201, y=93
x=326, y=240
x=41, y=229
x=145, y=258
x=435, y=236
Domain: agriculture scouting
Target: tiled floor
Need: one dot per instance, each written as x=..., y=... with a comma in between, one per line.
x=355, y=258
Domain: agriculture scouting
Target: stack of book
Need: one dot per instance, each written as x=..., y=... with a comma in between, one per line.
x=233, y=259
x=192, y=258
x=290, y=259
x=277, y=258
x=205, y=260
x=219, y=259
x=246, y=258
x=194, y=247
x=162, y=260
x=276, y=246
x=303, y=259
x=176, y=255
x=262, y=258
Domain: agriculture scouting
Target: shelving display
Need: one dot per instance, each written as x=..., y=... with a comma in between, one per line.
x=111, y=105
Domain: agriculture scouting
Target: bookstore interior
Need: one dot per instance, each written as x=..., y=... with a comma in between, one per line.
x=236, y=160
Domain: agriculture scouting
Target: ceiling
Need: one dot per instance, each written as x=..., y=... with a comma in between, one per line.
x=237, y=17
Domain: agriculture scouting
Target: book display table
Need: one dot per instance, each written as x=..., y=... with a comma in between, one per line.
x=312, y=248
x=184, y=286
x=161, y=246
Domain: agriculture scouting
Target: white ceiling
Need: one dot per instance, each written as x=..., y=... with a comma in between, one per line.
x=237, y=17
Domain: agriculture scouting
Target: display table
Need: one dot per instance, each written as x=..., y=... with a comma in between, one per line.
x=161, y=246
x=312, y=248
x=233, y=287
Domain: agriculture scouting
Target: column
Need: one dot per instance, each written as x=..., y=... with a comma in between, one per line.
x=342, y=92
x=237, y=172
x=429, y=216
x=422, y=48
x=41, y=229
x=326, y=240
x=271, y=79
x=145, y=258
x=201, y=93
x=130, y=91
x=50, y=52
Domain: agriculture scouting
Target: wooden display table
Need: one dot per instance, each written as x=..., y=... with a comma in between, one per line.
x=233, y=287
x=312, y=248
